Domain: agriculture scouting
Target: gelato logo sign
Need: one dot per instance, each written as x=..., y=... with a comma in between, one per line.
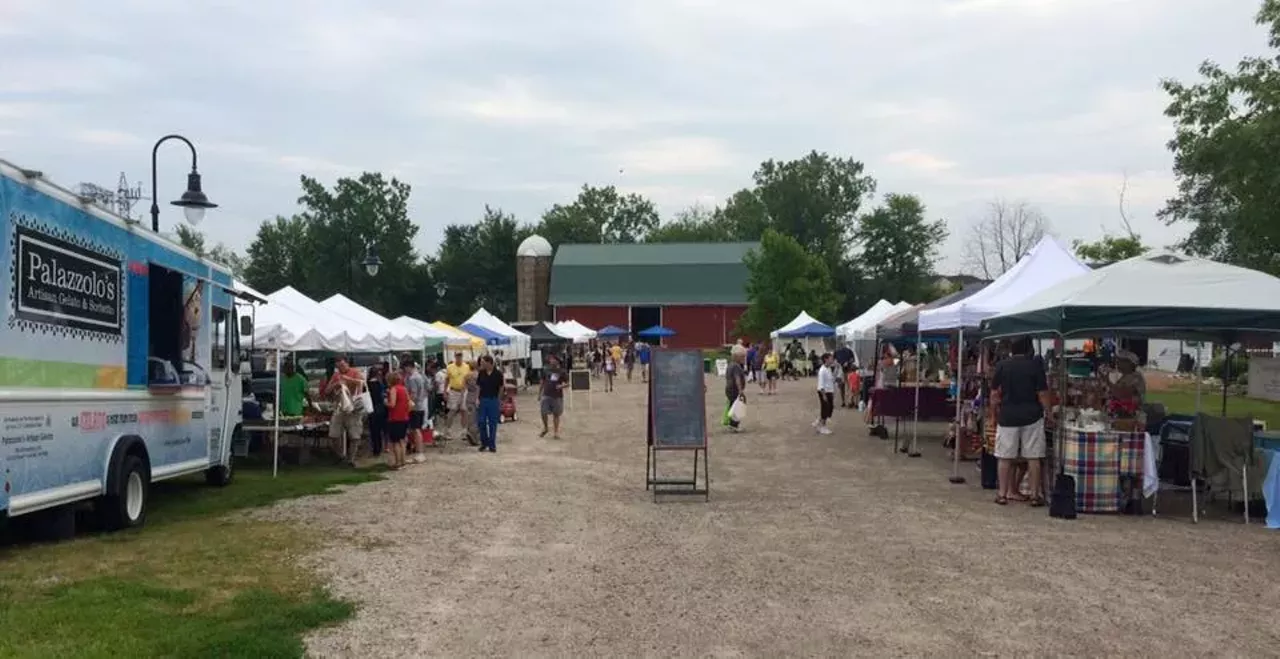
x=61, y=283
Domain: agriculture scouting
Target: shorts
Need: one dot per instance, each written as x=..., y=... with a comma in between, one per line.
x=552, y=406
x=826, y=405
x=348, y=424
x=417, y=419
x=397, y=430
x=772, y=374
x=456, y=400
x=1014, y=442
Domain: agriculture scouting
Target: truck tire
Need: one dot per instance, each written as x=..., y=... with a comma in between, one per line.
x=220, y=475
x=126, y=508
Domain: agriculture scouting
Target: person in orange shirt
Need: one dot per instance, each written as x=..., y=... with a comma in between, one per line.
x=855, y=387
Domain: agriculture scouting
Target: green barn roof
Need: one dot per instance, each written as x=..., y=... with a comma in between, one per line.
x=649, y=274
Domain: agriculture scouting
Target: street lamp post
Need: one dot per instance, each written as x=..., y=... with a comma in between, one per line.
x=193, y=202
x=371, y=264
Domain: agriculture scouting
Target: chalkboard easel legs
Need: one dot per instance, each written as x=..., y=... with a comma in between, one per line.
x=677, y=486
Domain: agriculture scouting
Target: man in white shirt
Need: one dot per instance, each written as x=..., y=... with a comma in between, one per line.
x=826, y=395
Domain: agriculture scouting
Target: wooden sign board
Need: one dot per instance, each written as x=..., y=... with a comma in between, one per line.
x=677, y=400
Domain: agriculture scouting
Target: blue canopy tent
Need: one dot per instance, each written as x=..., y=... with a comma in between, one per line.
x=612, y=331
x=657, y=332
x=490, y=337
x=814, y=328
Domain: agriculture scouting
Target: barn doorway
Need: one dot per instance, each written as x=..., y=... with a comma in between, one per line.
x=642, y=318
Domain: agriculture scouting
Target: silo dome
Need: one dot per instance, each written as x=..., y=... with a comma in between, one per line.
x=536, y=246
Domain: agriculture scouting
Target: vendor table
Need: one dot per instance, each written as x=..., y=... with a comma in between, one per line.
x=1109, y=467
x=899, y=403
x=305, y=435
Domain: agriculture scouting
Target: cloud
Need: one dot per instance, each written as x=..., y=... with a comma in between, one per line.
x=677, y=155
x=919, y=161
x=518, y=104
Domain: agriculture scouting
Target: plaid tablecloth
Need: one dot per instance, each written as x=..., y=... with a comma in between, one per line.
x=1102, y=464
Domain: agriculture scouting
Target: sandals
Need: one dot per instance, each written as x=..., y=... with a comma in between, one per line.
x=1001, y=501
x=1037, y=502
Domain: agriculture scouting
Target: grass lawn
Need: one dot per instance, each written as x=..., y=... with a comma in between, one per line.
x=1182, y=400
x=193, y=582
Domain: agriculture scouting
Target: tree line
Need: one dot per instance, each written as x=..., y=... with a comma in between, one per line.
x=829, y=244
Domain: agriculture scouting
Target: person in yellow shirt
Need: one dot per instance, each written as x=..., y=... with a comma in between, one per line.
x=616, y=353
x=771, y=372
x=456, y=397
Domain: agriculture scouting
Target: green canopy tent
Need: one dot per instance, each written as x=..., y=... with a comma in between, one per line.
x=1159, y=294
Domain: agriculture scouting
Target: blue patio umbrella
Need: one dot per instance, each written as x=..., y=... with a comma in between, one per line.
x=612, y=330
x=657, y=332
x=490, y=337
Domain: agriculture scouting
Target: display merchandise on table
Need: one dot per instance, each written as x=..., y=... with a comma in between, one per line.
x=1113, y=469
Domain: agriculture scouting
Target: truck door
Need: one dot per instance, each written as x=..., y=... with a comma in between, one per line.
x=219, y=383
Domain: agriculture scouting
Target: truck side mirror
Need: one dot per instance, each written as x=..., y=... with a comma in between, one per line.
x=246, y=326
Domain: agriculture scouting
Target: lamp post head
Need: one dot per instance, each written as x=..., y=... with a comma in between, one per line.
x=372, y=262
x=193, y=202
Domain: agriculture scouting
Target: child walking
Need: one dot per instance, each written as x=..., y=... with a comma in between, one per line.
x=826, y=395
x=397, y=405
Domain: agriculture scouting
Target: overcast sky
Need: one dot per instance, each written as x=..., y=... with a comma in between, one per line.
x=516, y=103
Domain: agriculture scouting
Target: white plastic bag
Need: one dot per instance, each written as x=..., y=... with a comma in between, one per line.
x=345, y=403
x=363, y=402
x=738, y=411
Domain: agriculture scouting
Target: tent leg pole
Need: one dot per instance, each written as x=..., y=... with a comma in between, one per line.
x=914, y=452
x=956, y=478
x=275, y=415
x=1199, y=375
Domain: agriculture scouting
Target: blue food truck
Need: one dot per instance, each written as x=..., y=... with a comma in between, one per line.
x=118, y=359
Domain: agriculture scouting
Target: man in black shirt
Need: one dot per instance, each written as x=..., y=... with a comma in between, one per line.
x=1020, y=395
x=490, y=383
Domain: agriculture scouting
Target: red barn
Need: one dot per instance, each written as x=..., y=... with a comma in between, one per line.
x=696, y=289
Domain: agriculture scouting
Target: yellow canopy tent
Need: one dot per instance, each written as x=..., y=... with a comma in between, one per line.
x=461, y=340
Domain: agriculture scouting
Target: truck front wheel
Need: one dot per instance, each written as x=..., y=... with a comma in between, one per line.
x=219, y=476
x=126, y=507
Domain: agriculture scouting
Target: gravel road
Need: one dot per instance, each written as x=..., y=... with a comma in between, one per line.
x=810, y=546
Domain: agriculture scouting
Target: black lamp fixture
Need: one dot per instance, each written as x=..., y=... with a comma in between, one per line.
x=371, y=262
x=193, y=202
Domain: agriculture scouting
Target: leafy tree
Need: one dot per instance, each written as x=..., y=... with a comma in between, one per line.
x=1003, y=236
x=897, y=251
x=280, y=255
x=476, y=266
x=1109, y=249
x=784, y=279
x=1226, y=135
x=600, y=215
x=814, y=199
x=190, y=238
x=693, y=225
x=744, y=216
x=194, y=240
x=368, y=213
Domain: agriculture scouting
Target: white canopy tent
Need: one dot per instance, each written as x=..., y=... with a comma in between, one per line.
x=1047, y=264
x=431, y=333
x=864, y=326
x=291, y=322
x=574, y=330
x=519, y=346
x=803, y=319
x=394, y=336
x=860, y=333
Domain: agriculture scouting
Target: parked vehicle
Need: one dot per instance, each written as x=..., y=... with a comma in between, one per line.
x=117, y=358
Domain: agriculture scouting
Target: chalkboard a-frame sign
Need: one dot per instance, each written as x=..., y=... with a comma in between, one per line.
x=677, y=400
